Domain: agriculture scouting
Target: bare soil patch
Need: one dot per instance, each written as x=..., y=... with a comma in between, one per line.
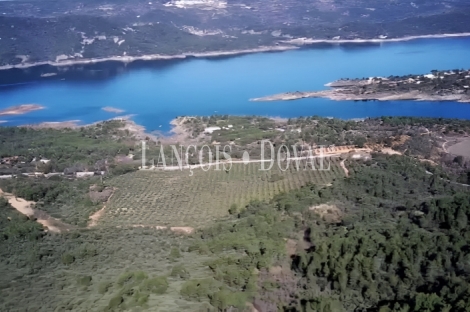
x=346, y=171
x=389, y=151
x=95, y=217
x=462, y=148
x=330, y=213
x=110, y=109
x=275, y=270
x=291, y=247
x=182, y=229
x=400, y=140
x=279, y=120
x=22, y=205
x=176, y=229
x=103, y=196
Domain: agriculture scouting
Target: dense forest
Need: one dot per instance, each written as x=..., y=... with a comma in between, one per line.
x=401, y=245
x=91, y=148
x=99, y=29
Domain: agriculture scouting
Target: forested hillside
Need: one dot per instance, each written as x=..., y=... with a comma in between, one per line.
x=67, y=149
x=402, y=245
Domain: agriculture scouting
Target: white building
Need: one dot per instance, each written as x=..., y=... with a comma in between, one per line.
x=211, y=129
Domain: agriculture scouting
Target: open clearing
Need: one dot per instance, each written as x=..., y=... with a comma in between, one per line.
x=462, y=148
x=329, y=213
x=176, y=199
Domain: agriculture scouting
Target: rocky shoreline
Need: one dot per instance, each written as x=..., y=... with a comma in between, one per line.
x=437, y=86
x=308, y=41
x=341, y=95
x=150, y=57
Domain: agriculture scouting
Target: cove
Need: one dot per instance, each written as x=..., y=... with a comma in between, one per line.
x=157, y=91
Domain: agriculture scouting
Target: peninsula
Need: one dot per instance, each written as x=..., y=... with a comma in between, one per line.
x=451, y=85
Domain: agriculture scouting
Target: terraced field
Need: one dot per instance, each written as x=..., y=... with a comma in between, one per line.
x=174, y=198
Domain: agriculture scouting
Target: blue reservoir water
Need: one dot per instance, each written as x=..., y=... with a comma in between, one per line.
x=158, y=91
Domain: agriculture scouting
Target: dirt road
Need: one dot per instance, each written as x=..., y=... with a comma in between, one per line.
x=26, y=208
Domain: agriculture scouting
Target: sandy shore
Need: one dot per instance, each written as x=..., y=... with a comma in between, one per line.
x=287, y=45
x=20, y=109
x=110, y=109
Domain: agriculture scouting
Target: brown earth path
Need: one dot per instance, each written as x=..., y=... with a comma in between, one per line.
x=25, y=207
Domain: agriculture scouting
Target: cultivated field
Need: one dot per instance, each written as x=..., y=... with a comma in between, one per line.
x=173, y=198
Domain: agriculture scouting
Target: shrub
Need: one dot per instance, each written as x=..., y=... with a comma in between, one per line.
x=67, y=259
x=128, y=278
x=3, y=202
x=84, y=280
x=174, y=253
x=114, y=303
x=276, y=177
x=198, y=289
x=225, y=298
x=123, y=169
x=87, y=251
x=103, y=287
x=138, y=299
x=156, y=285
x=179, y=271
x=233, y=209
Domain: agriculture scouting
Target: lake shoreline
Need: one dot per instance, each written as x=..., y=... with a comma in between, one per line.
x=150, y=57
x=437, y=86
x=336, y=95
x=310, y=41
x=140, y=132
x=157, y=91
x=292, y=44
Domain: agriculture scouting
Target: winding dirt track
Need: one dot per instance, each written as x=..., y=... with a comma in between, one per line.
x=26, y=208
x=93, y=220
